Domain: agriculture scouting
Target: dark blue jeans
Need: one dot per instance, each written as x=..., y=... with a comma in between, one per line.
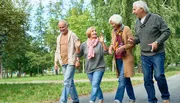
x=123, y=83
x=155, y=63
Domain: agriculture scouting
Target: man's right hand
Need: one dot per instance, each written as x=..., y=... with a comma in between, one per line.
x=55, y=66
x=77, y=43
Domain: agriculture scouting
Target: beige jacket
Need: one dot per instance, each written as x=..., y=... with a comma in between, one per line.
x=128, y=59
x=71, y=49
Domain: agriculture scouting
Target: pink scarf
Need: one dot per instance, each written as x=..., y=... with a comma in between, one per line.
x=91, y=44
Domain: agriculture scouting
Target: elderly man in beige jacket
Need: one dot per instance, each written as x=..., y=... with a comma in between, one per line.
x=66, y=57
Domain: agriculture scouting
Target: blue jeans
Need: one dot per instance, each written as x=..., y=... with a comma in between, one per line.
x=69, y=87
x=95, y=79
x=123, y=83
x=156, y=63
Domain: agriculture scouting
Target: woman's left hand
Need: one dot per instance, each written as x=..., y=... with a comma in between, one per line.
x=101, y=38
x=120, y=50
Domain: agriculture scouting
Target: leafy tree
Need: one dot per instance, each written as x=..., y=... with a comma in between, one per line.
x=14, y=25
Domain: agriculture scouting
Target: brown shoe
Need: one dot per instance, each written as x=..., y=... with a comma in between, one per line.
x=166, y=101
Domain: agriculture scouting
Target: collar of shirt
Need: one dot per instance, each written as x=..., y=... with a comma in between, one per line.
x=119, y=30
x=142, y=19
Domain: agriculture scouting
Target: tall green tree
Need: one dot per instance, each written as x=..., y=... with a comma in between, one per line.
x=14, y=23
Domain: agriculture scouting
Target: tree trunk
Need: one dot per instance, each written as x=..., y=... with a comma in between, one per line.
x=31, y=73
x=19, y=73
x=6, y=71
x=11, y=73
x=42, y=72
x=1, y=69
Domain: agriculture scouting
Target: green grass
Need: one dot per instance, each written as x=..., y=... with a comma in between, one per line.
x=28, y=93
x=50, y=92
x=78, y=76
x=40, y=93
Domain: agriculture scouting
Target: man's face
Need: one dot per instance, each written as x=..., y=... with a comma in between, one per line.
x=63, y=28
x=137, y=11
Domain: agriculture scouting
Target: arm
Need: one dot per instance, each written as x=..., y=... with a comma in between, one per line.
x=111, y=45
x=136, y=38
x=101, y=39
x=77, y=44
x=127, y=44
x=56, y=56
x=104, y=46
x=165, y=33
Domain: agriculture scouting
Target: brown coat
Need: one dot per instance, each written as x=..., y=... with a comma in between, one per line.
x=128, y=59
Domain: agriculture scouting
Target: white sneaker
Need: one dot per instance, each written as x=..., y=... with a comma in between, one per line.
x=91, y=102
x=101, y=101
x=117, y=101
x=132, y=101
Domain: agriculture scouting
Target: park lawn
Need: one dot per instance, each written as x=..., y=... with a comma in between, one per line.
x=50, y=92
x=78, y=76
x=45, y=93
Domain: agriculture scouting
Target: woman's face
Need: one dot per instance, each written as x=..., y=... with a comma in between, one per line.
x=115, y=26
x=93, y=33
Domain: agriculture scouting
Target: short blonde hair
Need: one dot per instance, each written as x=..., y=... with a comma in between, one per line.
x=89, y=30
x=117, y=19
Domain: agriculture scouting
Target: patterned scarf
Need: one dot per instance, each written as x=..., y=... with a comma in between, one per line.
x=117, y=43
x=91, y=44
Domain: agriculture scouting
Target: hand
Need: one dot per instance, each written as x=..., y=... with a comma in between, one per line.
x=119, y=50
x=131, y=40
x=154, y=46
x=77, y=64
x=110, y=49
x=101, y=38
x=55, y=66
x=77, y=43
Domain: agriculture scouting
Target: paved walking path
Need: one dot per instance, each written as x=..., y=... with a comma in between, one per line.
x=140, y=93
x=141, y=96
x=58, y=81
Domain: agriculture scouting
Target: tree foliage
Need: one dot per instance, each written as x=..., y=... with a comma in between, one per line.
x=24, y=53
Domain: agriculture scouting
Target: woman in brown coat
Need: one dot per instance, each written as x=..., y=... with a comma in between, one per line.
x=123, y=57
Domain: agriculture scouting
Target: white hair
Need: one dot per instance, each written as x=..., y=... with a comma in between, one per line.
x=141, y=4
x=64, y=21
x=117, y=19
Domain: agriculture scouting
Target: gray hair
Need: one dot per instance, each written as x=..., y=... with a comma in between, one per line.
x=117, y=19
x=64, y=21
x=141, y=4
